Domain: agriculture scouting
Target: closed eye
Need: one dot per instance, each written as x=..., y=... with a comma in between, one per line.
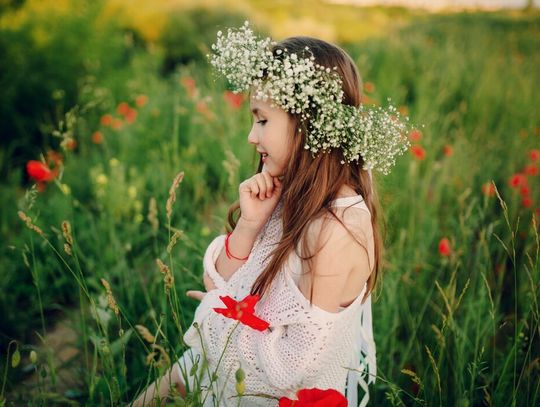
x=262, y=122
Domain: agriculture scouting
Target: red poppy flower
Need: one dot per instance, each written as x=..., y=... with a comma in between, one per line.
x=71, y=144
x=141, y=100
x=234, y=100
x=242, y=311
x=106, y=120
x=444, y=247
x=418, y=152
x=517, y=180
x=525, y=190
x=123, y=108
x=526, y=201
x=131, y=115
x=40, y=172
x=97, y=137
x=488, y=189
x=315, y=398
x=415, y=135
x=448, y=150
x=403, y=110
x=534, y=155
x=531, y=169
x=369, y=87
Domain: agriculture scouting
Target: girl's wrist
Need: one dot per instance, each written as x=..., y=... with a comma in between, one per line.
x=251, y=228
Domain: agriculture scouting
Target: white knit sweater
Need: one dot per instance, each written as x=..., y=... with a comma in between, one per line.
x=305, y=346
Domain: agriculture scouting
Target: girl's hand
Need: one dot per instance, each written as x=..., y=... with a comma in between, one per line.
x=259, y=196
x=197, y=295
x=208, y=285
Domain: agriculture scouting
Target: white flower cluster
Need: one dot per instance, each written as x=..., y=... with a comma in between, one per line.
x=300, y=86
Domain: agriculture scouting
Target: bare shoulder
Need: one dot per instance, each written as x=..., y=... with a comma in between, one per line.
x=340, y=266
x=351, y=229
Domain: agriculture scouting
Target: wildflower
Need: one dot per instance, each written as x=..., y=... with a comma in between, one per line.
x=517, y=180
x=106, y=120
x=122, y=108
x=66, y=231
x=234, y=100
x=131, y=115
x=415, y=135
x=526, y=201
x=172, y=192
x=525, y=190
x=65, y=189
x=242, y=311
x=132, y=191
x=444, y=247
x=29, y=224
x=534, y=155
x=102, y=179
x=152, y=215
x=141, y=100
x=369, y=87
x=40, y=172
x=69, y=144
x=418, y=152
x=315, y=397
x=167, y=275
x=403, y=110
x=488, y=189
x=145, y=333
x=189, y=84
x=174, y=239
x=448, y=150
x=97, y=137
x=531, y=170
x=110, y=298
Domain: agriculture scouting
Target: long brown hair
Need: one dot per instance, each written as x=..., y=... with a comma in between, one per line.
x=316, y=181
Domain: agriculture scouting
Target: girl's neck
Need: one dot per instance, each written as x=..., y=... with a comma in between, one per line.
x=346, y=191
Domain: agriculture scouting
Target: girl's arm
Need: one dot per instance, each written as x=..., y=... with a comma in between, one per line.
x=241, y=242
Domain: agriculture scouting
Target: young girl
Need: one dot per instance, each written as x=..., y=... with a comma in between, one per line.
x=306, y=239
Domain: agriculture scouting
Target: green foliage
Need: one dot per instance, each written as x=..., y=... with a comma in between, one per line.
x=450, y=330
x=188, y=35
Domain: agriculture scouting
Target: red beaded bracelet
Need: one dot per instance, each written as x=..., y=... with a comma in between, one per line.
x=228, y=253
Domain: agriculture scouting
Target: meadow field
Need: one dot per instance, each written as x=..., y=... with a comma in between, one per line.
x=139, y=152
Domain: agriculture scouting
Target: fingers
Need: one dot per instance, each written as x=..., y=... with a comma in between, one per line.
x=268, y=179
x=261, y=185
x=197, y=295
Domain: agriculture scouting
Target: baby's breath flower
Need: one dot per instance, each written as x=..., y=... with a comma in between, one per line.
x=297, y=84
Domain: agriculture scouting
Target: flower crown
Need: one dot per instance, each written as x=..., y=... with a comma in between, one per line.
x=298, y=85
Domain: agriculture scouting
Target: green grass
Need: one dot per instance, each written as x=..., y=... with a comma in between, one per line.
x=465, y=326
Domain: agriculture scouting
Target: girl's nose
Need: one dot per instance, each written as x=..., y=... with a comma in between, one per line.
x=252, y=137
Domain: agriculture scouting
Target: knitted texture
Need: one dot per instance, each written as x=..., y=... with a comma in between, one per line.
x=305, y=345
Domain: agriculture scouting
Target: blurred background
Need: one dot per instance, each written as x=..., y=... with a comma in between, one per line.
x=104, y=103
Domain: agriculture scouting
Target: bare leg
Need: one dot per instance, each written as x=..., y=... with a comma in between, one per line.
x=159, y=390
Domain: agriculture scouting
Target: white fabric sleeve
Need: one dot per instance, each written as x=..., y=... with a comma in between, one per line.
x=209, y=261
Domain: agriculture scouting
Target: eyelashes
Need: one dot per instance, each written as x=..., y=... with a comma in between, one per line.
x=262, y=122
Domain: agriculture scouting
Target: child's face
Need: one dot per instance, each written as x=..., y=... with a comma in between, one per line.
x=271, y=133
